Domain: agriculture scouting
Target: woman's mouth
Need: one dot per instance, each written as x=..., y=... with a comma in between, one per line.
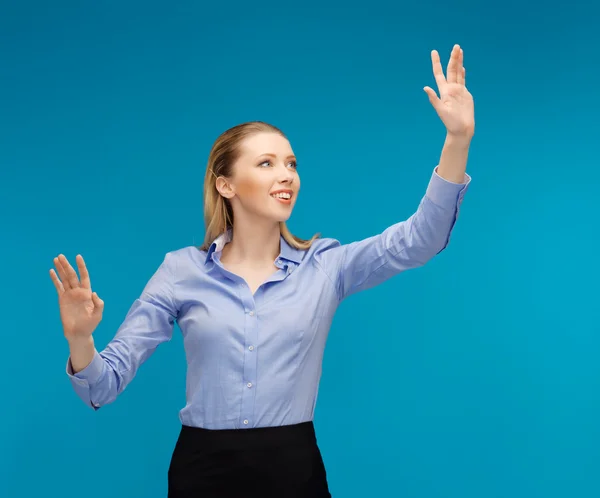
x=284, y=197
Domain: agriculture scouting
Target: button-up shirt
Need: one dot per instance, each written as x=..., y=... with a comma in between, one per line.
x=254, y=360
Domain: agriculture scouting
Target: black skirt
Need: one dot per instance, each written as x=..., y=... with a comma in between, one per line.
x=264, y=462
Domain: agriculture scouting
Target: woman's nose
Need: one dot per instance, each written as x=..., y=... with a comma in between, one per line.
x=286, y=176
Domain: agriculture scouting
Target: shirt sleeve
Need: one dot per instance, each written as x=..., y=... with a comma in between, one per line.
x=408, y=244
x=149, y=322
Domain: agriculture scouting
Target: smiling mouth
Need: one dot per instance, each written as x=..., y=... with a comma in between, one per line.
x=282, y=196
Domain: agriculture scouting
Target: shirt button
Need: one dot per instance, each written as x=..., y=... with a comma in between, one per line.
x=245, y=422
x=251, y=313
x=249, y=384
x=251, y=348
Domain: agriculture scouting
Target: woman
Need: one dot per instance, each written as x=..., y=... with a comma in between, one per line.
x=254, y=304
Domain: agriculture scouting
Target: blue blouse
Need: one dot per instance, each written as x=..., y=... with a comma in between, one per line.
x=255, y=360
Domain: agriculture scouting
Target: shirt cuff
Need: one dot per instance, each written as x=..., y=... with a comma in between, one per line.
x=90, y=374
x=446, y=193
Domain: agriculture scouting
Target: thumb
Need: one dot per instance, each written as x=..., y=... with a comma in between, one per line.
x=433, y=98
x=98, y=303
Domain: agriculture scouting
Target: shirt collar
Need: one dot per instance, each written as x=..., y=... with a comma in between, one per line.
x=218, y=244
x=287, y=252
x=290, y=253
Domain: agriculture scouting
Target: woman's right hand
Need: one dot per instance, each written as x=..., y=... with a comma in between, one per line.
x=80, y=308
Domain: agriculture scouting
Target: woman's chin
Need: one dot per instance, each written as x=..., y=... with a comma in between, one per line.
x=282, y=213
x=282, y=217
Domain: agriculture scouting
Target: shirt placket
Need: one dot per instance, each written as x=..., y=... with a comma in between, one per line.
x=250, y=358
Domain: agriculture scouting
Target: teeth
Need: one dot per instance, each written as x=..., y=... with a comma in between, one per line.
x=282, y=195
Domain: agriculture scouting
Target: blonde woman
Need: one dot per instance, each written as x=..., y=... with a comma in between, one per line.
x=254, y=304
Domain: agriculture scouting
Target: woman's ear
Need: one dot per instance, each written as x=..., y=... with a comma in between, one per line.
x=225, y=188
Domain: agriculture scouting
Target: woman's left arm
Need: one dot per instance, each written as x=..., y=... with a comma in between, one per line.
x=411, y=243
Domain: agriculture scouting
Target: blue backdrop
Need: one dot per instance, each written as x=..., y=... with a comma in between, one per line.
x=474, y=376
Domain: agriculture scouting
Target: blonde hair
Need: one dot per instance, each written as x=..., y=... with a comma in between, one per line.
x=218, y=214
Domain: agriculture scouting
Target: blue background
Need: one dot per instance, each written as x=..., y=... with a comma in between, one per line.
x=474, y=376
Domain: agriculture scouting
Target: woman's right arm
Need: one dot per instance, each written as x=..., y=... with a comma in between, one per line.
x=98, y=377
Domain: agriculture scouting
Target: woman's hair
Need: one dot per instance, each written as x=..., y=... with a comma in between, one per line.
x=218, y=214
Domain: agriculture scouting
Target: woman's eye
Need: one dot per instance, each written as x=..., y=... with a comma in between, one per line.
x=291, y=164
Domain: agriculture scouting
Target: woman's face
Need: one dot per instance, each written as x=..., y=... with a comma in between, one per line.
x=265, y=183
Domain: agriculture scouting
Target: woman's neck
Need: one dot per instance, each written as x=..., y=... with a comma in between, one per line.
x=253, y=244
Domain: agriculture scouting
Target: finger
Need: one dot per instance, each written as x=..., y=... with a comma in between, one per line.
x=452, y=72
x=57, y=283
x=433, y=98
x=460, y=76
x=62, y=273
x=98, y=303
x=69, y=271
x=83, y=272
x=438, y=72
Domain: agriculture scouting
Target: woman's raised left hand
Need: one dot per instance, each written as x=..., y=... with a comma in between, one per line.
x=454, y=105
